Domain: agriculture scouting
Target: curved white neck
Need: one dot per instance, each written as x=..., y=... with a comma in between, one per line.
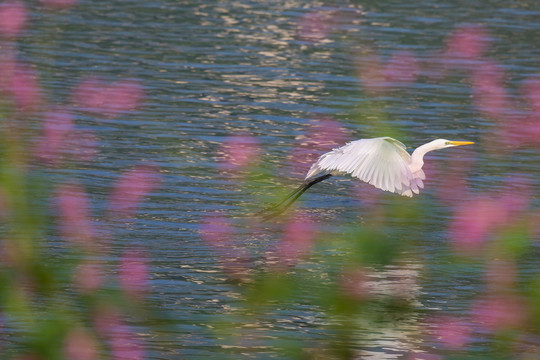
x=417, y=157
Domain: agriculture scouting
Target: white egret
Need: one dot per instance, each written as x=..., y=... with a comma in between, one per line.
x=382, y=162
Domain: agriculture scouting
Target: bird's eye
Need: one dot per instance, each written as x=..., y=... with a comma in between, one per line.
x=447, y=143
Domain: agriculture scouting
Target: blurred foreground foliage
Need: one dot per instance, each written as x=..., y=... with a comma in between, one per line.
x=331, y=288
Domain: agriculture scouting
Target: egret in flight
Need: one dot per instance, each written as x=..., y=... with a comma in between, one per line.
x=382, y=162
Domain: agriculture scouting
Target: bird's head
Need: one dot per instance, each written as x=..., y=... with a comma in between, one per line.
x=443, y=143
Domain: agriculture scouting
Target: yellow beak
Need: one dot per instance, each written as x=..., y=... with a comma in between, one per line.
x=458, y=143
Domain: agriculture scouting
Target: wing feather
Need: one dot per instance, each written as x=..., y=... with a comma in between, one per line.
x=382, y=162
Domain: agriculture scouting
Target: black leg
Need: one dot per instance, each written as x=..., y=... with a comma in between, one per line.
x=278, y=209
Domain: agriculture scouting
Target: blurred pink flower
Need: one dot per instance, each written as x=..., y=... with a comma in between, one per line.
x=130, y=188
x=58, y=4
x=108, y=99
x=124, y=95
x=477, y=218
x=239, y=152
x=298, y=238
x=401, y=69
x=370, y=72
x=24, y=87
x=57, y=127
x=80, y=344
x=88, y=277
x=467, y=42
x=451, y=332
x=522, y=128
x=515, y=131
x=531, y=91
x=354, y=283
x=7, y=68
x=322, y=135
x=74, y=211
x=500, y=312
x=125, y=345
x=133, y=273
x=474, y=221
x=488, y=90
x=217, y=231
x=314, y=26
x=123, y=342
x=377, y=77
x=12, y=17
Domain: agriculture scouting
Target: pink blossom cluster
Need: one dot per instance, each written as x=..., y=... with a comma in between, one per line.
x=400, y=70
x=80, y=230
x=517, y=113
x=500, y=309
x=58, y=139
x=239, y=153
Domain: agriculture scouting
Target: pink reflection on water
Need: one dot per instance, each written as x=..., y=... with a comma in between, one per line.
x=75, y=221
x=13, y=17
x=130, y=188
x=133, y=273
x=323, y=135
x=57, y=127
x=108, y=99
x=239, y=152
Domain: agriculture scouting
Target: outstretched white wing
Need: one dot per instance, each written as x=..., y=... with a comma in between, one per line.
x=382, y=162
